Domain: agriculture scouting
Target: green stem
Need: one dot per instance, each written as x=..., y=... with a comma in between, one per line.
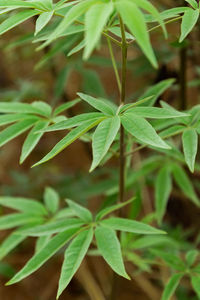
x=122, y=102
x=114, y=65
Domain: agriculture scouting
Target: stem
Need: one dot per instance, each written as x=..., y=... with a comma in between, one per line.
x=114, y=65
x=182, y=78
x=122, y=102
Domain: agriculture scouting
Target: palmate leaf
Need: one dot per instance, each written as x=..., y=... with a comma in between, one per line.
x=142, y=130
x=109, y=247
x=189, y=20
x=190, y=147
x=25, y=205
x=95, y=20
x=171, y=286
x=102, y=139
x=44, y=254
x=74, y=255
x=22, y=108
x=130, y=226
x=12, y=118
x=69, y=139
x=51, y=199
x=80, y=211
x=163, y=188
x=16, y=19
x=32, y=139
x=15, y=130
x=134, y=19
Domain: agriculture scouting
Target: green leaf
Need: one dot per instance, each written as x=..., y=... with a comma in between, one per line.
x=23, y=108
x=11, y=242
x=14, y=220
x=103, y=138
x=75, y=121
x=24, y=205
x=146, y=5
x=157, y=90
x=65, y=106
x=43, y=20
x=43, y=107
x=190, y=147
x=184, y=183
x=109, y=247
x=189, y=20
x=32, y=139
x=191, y=257
x=44, y=254
x=142, y=130
x=41, y=242
x=12, y=118
x=172, y=260
x=69, y=139
x=95, y=19
x=171, y=286
x=156, y=113
x=74, y=255
x=135, y=21
x=16, y=19
x=106, y=107
x=104, y=212
x=80, y=211
x=52, y=227
x=73, y=14
x=163, y=189
x=51, y=199
x=193, y=3
x=15, y=130
x=196, y=284
x=19, y=4
x=130, y=226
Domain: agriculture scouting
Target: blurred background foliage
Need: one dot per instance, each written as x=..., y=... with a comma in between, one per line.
x=55, y=75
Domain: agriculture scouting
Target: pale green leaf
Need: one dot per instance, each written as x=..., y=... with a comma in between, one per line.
x=42, y=21
x=134, y=19
x=10, y=243
x=44, y=254
x=142, y=130
x=74, y=255
x=80, y=211
x=69, y=139
x=171, y=286
x=24, y=205
x=156, y=113
x=95, y=19
x=189, y=20
x=41, y=242
x=12, y=118
x=16, y=19
x=193, y=3
x=32, y=139
x=14, y=220
x=196, y=284
x=52, y=227
x=106, y=107
x=163, y=187
x=184, y=183
x=190, y=146
x=51, y=199
x=109, y=247
x=130, y=226
x=103, y=138
x=65, y=106
x=23, y=108
x=15, y=130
